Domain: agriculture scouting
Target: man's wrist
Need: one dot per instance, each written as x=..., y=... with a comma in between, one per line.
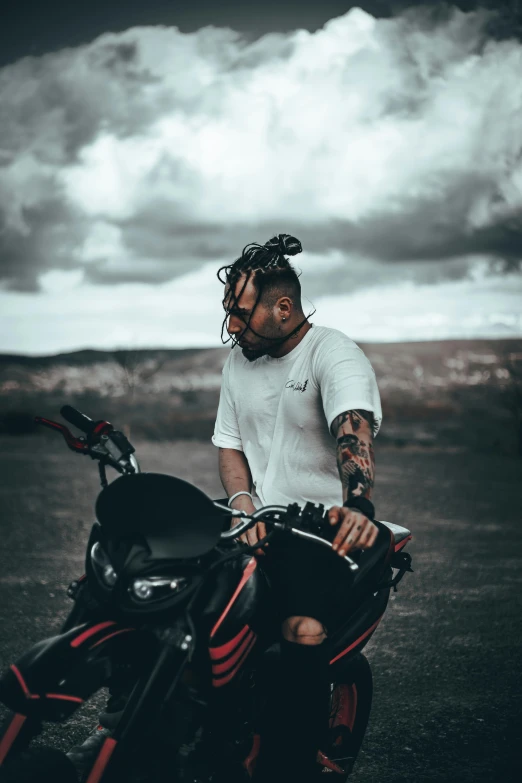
x=364, y=505
x=242, y=503
x=241, y=493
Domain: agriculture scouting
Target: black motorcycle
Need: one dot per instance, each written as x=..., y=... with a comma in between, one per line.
x=174, y=607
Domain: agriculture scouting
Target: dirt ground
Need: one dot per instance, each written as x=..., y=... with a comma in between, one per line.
x=446, y=658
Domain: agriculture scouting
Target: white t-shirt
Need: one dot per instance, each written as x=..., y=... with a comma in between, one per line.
x=279, y=413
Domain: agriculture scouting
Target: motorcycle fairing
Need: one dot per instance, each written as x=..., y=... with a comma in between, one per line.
x=247, y=587
x=228, y=658
x=364, y=607
x=355, y=634
x=239, y=597
x=142, y=504
x=52, y=679
x=131, y=558
x=233, y=636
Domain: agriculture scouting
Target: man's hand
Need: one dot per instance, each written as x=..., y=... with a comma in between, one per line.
x=355, y=530
x=252, y=536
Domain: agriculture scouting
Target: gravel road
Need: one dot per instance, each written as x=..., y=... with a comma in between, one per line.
x=446, y=658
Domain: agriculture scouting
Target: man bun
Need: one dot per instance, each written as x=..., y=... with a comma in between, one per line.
x=272, y=273
x=284, y=245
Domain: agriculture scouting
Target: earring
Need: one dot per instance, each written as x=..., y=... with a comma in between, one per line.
x=283, y=319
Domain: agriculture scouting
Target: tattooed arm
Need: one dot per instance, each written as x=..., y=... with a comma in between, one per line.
x=356, y=464
x=355, y=459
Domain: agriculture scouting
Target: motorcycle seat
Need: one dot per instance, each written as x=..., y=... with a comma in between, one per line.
x=399, y=533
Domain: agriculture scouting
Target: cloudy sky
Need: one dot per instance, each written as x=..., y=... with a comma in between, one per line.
x=142, y=148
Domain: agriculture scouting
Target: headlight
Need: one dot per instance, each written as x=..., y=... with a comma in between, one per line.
x=156, y=588
x=110, y=577
x=102, y=565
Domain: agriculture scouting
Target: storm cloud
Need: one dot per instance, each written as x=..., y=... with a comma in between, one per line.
x=386, y=144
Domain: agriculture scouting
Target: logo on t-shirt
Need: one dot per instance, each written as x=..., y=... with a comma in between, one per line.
x=297, y=385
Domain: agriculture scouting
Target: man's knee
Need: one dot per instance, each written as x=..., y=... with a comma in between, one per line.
x=303, y=630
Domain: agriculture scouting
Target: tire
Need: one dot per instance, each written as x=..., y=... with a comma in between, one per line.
x=39, y=765
x=350, y=711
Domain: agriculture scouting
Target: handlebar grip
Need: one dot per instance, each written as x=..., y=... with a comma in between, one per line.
x=79, y=420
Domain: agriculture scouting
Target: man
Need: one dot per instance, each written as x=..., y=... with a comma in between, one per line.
x=298, y=410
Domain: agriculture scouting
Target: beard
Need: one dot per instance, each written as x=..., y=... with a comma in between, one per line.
x=261, y=348
x=262, y=345
x=251, y=354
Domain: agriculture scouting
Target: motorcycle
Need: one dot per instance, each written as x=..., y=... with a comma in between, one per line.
x=175, y=607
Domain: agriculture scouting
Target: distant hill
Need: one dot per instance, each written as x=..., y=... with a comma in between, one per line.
x=112, y=373
x=446, y=393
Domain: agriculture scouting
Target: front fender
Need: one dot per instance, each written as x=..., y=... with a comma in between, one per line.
x=52, y=679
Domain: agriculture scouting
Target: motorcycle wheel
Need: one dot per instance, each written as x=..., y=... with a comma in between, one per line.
x=350, y=710
x=39, y=765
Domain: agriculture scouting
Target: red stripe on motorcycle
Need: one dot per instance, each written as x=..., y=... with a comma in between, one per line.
x=27, y=693
x=11, y=734
x=18, y=675
x=247, y=573
x=250, y=761
x=224, y=650
x=115, y=633
x=328, y=763
x=402, y=543
x=224, y=666
x=90, y=632
x=356, y=642
x=63, y=697
x=101, y=762
x=217, y=683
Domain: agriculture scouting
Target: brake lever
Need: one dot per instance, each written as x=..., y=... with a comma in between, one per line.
x=117, y=457
x=79, y=445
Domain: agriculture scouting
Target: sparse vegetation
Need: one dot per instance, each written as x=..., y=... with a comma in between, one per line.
x=463, y=394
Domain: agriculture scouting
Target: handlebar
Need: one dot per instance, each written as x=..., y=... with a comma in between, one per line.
x=77, y=419
x=111, y=447
x=284, y=517
x=103, y=442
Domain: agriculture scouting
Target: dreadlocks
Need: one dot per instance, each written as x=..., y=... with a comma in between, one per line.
x=271, y=273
